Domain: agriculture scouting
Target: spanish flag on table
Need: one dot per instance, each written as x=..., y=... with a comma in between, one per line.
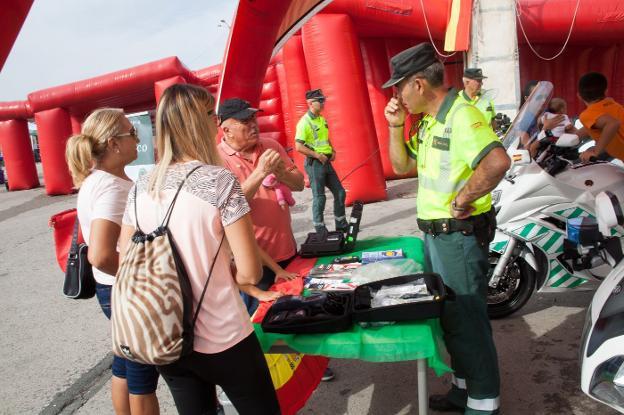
x=296, y=375
x=458, y=28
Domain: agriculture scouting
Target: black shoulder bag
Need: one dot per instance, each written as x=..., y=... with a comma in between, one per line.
x=79, y=282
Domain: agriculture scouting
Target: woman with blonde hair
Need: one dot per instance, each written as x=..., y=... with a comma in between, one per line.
x=209, y=207
x=96, y=158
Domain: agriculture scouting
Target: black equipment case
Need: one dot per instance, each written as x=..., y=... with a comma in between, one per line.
x=333, y=243
x=335, y=311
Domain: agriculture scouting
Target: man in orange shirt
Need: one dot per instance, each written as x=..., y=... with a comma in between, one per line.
x=603, y=119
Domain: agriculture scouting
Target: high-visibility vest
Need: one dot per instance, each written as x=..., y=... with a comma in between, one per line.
x=484, y=104
x=314, y=133
x=448, y=148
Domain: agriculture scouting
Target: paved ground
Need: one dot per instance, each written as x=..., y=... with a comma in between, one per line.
x=56, y=351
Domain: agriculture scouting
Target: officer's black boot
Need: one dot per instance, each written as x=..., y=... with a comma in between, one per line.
x=440, y=403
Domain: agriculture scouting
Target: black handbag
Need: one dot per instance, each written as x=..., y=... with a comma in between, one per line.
x=79, y=282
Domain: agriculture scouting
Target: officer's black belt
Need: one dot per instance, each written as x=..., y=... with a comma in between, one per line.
x=448, y=225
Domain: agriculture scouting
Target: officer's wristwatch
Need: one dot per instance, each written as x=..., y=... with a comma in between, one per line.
x=455, y=207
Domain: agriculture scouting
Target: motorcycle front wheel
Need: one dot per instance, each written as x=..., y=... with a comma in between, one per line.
x=513, y=290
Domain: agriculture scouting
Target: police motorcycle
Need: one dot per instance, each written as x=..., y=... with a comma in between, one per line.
x=602, y=342
x=534, y=202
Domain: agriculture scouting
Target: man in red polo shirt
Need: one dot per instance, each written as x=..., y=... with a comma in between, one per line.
x=251, y=159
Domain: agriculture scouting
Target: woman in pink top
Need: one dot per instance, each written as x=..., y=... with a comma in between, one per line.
x=226, y=351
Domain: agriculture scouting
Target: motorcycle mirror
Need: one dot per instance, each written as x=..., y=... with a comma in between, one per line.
x=568, y=140
x=608, y=212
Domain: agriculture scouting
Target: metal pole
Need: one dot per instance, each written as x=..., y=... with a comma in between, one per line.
x=423, y=397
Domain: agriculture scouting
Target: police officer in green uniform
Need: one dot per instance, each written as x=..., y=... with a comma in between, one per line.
x=473, y=94
x=460, y=160
x=312, y=140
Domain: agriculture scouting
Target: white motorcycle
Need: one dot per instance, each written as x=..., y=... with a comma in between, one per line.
x=602, y=345
x=533, y=203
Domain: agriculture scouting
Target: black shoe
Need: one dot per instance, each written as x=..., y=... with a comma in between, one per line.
x=440, y=403
x=328, y=375
x=321, y=231
x=342, y=227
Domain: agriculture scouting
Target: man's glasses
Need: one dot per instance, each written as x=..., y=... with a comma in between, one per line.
x=132, y=133
x=320, y=100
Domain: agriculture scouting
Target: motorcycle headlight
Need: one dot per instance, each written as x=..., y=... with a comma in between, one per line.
x=496, y=195
x=607, y=384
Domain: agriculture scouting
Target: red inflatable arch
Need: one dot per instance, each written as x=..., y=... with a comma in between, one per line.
x=278, y=50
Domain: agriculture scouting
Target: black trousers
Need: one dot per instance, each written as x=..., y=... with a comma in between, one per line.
x=240, y=370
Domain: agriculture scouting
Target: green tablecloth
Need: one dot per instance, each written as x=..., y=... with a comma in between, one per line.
x=391, y=343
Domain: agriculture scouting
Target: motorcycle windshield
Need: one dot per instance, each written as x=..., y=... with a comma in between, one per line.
x=525, y=128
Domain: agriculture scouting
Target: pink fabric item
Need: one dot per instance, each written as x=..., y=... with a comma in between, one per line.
x=271, y=223
x=283, y=193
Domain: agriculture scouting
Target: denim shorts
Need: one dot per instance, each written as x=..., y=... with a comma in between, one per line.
x=142, y=379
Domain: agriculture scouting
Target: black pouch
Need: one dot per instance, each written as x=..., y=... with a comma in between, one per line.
x=485, y=228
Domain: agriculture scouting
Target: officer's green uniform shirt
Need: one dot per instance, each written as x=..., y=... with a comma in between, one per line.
x=313, y=132
x=484, y=105
x=448, y=147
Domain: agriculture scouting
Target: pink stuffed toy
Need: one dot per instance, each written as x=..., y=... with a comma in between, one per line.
x=283, y=193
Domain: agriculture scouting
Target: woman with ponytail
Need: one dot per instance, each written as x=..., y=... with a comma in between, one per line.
x=97, y=158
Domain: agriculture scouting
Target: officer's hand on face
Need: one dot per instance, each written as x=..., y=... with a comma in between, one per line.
x=321, y=157
x=268, y=162
x=395, y=112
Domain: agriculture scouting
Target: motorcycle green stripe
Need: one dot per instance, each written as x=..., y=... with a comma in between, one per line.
x=547, y=243
x=499, y=247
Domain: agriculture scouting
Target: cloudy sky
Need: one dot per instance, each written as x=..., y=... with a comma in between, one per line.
x=69, y=40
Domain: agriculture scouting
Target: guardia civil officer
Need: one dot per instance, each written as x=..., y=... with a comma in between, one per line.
x=473, y=94
x=460, y=160
x=312, y=140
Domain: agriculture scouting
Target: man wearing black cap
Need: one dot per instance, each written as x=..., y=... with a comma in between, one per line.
x=312, y=140
x=460, y=160
x=473, y=94
x=251, y=159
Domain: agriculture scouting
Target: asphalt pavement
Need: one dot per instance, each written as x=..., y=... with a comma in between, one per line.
x=56, y=352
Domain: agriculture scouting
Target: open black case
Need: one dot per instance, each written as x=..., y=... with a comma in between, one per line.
x=333, y=243
x=335, y=311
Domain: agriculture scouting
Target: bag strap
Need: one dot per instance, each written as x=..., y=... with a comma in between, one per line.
x=73, y=249
x=201, y=298
x=136, y=215
x=167, y=217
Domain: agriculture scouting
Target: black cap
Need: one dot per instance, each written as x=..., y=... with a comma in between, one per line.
x=410, y=61
x=474, y=73
x=236, y=108
x=315, y=94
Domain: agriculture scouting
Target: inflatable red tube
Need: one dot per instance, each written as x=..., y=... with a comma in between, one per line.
x=333, y=56
x=297, y=83
x=160, y=86
x=12, y=18
x=249, y=51
x=377, y=72
x=54, y=128
x=18, y=155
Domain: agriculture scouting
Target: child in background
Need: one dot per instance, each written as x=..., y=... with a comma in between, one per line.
x=557, y=107
x=603, y=119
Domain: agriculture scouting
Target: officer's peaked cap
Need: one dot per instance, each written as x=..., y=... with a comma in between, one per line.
x=410, y=61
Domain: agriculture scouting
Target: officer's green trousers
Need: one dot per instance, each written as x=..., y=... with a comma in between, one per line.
x=463, y=265
x=321, y=176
